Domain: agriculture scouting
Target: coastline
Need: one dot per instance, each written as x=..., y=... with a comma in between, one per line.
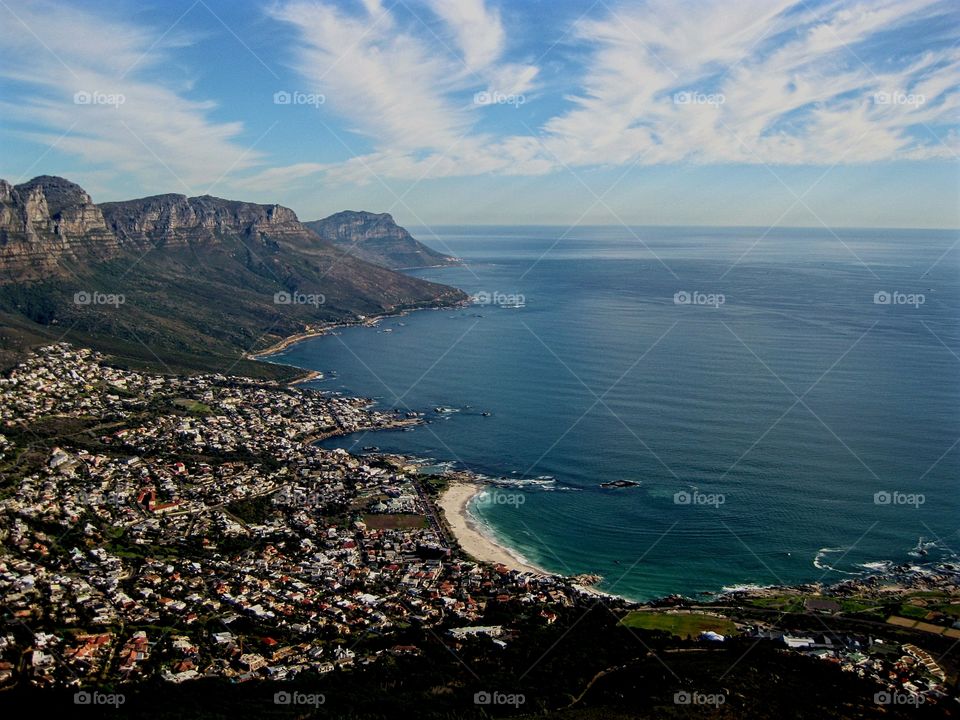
x=323, y=329
x=455, y=499
x=318, y=331
x=282, y=345
x=311, y=375
x=454, y=503
x=478, y=543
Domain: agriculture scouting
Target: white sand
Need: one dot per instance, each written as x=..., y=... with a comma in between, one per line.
x=477, y=544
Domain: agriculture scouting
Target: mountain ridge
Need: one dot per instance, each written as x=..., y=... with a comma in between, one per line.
x=376, y=238
x=197, y=283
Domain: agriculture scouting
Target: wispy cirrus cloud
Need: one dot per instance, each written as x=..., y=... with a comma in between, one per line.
x=480, y=39
x=390, y=85
x=477, y=28
x=399, y=82
x=779, y=82
x=100, y=101
x=774, y=82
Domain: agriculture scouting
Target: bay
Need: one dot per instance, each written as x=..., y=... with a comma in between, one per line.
x=785, y=425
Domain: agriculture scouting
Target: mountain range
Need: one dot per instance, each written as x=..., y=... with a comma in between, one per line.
x=192, y=283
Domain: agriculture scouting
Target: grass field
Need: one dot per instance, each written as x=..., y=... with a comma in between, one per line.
x=913, y=611
x=786, y=603
x=951, y=610
x=395, y=522
x=682, y=625
x=194, y=407
x=853, y=605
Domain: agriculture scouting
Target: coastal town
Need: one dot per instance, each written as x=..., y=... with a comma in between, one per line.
x=192, y=529
x=186, y=527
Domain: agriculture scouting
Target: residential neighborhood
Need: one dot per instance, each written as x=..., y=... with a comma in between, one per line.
x=175, y=528
x=192, y=529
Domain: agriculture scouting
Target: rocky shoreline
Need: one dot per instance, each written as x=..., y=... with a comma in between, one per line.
x=325, y=328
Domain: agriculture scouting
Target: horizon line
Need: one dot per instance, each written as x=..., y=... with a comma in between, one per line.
x=679, y=226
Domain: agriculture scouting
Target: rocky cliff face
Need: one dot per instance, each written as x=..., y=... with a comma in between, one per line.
x=202, y=280
x=49, y=222
x=46, y=221
x=176, y=220
x=376, y=238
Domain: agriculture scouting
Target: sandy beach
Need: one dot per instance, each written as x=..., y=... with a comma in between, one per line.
x=472, y=539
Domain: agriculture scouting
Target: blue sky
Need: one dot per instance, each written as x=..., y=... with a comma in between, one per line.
x=756, y=112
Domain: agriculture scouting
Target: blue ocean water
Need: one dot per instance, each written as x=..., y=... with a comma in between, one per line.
x=786, y=425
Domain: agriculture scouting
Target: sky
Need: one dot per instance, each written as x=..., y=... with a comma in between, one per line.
x=547, y=112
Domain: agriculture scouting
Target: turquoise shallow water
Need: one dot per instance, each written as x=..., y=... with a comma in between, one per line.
x=779, y=413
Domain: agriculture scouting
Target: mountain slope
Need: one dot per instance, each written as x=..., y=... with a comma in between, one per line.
x=177, y=282
x=376, y=238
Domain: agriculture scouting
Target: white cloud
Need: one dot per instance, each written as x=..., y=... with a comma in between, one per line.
x=478, y=30
x=278, y=177
x=408, y=88
x=512, y=79
x=790, y=75
x=788, y=86
x=782, y=83
x=55, y=52
x=390, y=85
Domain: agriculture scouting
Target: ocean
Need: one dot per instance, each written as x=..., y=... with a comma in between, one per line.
x=785, y=403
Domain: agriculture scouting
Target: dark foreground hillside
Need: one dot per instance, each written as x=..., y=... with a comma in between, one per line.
x=583, y=667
